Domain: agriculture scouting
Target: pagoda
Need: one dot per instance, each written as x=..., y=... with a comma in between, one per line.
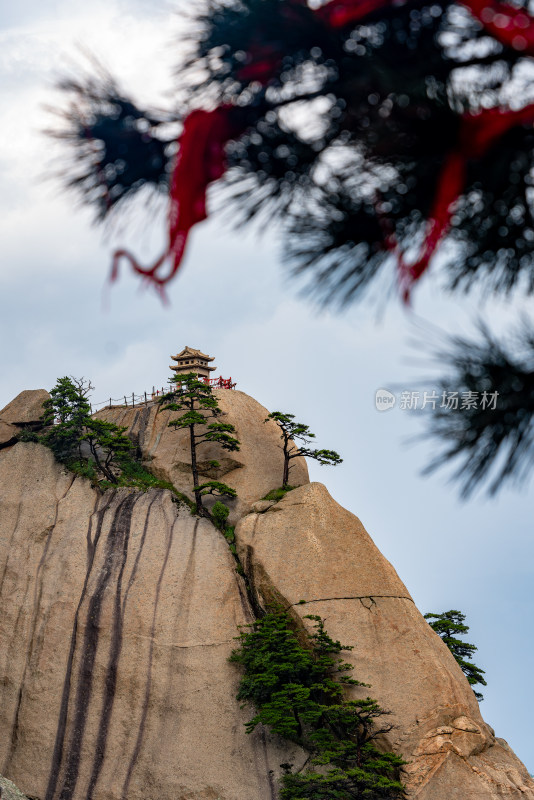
x=191, y=360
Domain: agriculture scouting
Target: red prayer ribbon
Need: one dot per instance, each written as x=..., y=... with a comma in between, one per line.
x=201, y=160
x=264, y=63
x=339, y=13
x=513, y=27
x=478, y=133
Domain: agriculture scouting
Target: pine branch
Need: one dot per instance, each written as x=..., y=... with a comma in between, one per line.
x=492, y=441
x=116, y=147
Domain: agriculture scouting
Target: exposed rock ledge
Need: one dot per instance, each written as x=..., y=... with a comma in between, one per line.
x=308, y=548
x=117, y=616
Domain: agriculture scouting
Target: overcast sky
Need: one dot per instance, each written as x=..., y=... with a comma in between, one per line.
x=233, y=301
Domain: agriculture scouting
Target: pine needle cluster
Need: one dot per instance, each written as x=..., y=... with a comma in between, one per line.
x=297, y=689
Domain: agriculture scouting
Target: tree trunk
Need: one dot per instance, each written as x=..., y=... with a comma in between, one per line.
x=100, y=466
x=285, y=480
x=194, y=469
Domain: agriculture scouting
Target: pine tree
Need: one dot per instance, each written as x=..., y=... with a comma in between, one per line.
x=297, y=690
x=291, y=431
x=69, y=427
x=195, y=398
x=449, y=626
x=66, y=414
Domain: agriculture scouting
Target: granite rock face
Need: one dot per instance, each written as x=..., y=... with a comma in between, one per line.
x=8, y=790
x=8, y=433
x=24, y=411
x=118, y=613
x=26, y=408
x=252, y=471
x=308, y=548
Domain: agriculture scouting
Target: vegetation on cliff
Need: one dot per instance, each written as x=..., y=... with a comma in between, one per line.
x=200, y=408
x=297, y=688
x=296, y=431
x=91, y=447
x=449, y=625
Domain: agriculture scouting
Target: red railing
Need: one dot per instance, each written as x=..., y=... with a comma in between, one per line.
x=220, y=383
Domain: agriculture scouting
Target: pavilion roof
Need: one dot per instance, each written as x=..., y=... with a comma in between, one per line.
x=189, y=352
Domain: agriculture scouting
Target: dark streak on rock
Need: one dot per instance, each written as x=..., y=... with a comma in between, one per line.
x=269, y=772
x=114, y=557
x=184, y=600
x=148, y=685
x=246, y=604
x=57, y=756
x=138, y=555
x=19, y=508
x=137, y=428
x=37, y=595
x=253, y=593
x=143, y=425
x=134, y=423
x=121, y=536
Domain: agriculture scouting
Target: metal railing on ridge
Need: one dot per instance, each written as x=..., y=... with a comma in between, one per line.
x=151, y=397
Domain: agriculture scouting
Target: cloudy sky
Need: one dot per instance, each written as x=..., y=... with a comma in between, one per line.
x=233, y=301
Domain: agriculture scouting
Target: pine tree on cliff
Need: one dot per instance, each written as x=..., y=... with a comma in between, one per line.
x=71, y=431
x=449, y=625
x=297, y=689
x=200, y=407
x=291, y=431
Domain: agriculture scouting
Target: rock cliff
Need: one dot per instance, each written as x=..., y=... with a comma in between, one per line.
x=118, y=613
x=252, y=471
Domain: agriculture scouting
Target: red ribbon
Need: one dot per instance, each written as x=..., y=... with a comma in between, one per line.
x=512, y=27
x=478, y=133
x=264, y=63
x=339, y=13
x=201, y=160
x=201, y=157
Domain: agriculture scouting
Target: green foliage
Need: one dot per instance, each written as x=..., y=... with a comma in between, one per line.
x=449, y=626
x=27, y=435
x=229, y=534
x=199, y=405
x=216, y=488
x=109, y=447
x=371, y=781
x=298, y=690
x=66, y=414
x=219, y=514
x=136, y=475
x=85, y=468
x=291, y=431
x=72, y=433
x=278, y=494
